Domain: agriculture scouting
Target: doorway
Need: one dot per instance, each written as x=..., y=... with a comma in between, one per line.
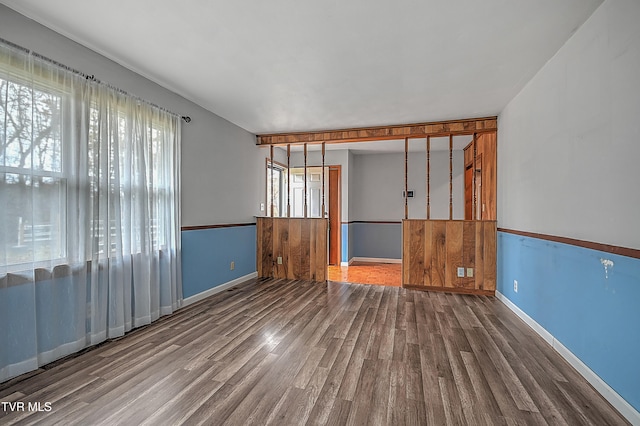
x=332, y=194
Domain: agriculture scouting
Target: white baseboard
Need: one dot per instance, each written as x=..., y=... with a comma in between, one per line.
x=629, y=412
x=374, y=260
x=217, y=289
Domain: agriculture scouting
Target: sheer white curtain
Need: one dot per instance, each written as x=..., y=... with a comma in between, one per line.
x=89, y=212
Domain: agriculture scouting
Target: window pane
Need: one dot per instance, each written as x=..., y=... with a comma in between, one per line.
x=33, y=229
x=32, y=134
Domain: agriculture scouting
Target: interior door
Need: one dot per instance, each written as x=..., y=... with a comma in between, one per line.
x=314, y=192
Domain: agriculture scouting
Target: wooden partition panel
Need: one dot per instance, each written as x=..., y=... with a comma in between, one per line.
x=433, y=250
x=486, y=149
x=300, y=243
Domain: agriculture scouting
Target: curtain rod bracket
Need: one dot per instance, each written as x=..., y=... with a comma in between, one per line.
x=186, y=118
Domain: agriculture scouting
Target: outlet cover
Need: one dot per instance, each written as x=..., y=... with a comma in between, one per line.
x=233, y=265
x=460, y=272
x=469, y=272
x=515, y=286
x=279, y=260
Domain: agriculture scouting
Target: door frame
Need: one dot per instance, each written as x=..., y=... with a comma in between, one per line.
x=335, y=215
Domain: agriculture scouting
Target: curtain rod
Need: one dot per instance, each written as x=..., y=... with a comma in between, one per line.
x=91, y=77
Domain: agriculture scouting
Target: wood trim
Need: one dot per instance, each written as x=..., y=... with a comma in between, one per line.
x=323, y=206
x=406, y=178
x=622, y=251
x=305, y=181
x=272, y=191
x=474, y=213
x=418, y=130
x=335, y=215
x=288, y=180
x=224, y=225
x=266, y=186
x=450, y=177
x=428, y=177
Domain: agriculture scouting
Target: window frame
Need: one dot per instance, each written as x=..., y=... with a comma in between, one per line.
x=49, y=87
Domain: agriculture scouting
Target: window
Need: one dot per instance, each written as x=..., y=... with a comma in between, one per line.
x=277, y=176
x=276, y=190
x=85, y=171
x=32, y=180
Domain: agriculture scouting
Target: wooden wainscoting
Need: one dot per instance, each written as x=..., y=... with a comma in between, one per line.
x=302, y=244
x=432, y=251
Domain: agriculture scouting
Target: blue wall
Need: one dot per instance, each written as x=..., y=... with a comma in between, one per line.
x=593, y=313
x=56, y=331
x=382, y=240
x=207, y=254
x=345, y=236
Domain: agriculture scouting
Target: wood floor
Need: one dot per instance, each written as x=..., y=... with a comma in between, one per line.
x=368, y=273
x=292, y=352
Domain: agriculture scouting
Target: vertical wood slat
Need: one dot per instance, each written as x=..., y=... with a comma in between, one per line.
x=305, y=249
x=406, y=250
x=479, y=244
x=490, y=231
x=288, y=180
x=416, y=254
x=305, y=180
x=321, y=247
x=323, y=207
x=468, y=253
x=312, y=250
x=266, y=239
x=454, y=243
x=406, y=178
x=450, y=177
x=302, y=244
x=428, y=226
x=275, y=241
x=295, y=247
x=475, y=195
x=272, y=191
x=438, y=253
x=428, y=177
x=432, y=251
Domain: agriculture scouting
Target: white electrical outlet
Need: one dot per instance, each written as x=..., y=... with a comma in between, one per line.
x=261, y=207
x=469, y=272
x=279, y=260
x=233, y=265
x=515, y=285
x=460, y=272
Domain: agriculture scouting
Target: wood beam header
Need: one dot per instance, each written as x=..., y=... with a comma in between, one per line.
x=420, y=130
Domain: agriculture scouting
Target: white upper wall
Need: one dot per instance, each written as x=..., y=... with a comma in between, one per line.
x=569, y=142
x=222, y=169
x=378, y=183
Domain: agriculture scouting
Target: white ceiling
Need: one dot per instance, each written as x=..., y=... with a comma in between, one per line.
x=295, y=65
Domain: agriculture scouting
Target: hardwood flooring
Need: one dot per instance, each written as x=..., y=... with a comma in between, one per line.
x=389, y=274
x=297, y=352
